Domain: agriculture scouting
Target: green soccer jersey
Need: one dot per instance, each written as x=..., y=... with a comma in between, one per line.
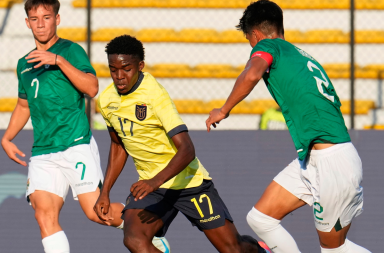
x=57, y=107
x=305, y=94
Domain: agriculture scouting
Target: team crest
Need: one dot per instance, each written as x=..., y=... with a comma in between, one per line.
x=141, y=112
x=27, y=184
x=47, y=66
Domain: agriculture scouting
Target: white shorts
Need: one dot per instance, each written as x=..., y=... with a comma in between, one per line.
x=329, y=180
x=78, y=167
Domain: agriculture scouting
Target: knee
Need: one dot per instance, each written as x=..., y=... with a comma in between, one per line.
x=261, y=223
x=136, y=244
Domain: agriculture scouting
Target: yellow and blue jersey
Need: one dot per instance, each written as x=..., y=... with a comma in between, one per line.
x=146, y=119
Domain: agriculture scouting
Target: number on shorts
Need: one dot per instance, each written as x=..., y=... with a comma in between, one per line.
x=37, y=85
x=82, y=174
x=194, y=200
x=320, y=81
x=315, y=210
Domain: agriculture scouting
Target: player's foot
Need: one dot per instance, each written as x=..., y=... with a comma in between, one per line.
x=162, y=244
x=265, y=247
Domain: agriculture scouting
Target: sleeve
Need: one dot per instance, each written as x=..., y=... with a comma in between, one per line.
x=79, y=59
x=22, y=92
x=267, y=50
x=107, y=122
x=167, y=113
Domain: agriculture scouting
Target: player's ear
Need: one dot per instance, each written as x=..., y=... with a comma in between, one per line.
x=141, y=65
x=58, y=19
x=27, y=22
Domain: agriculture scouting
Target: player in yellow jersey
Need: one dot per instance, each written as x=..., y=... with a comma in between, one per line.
x=144, y=123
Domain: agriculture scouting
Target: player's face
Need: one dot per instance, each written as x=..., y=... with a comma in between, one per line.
x=124, y=71
x=43, y=22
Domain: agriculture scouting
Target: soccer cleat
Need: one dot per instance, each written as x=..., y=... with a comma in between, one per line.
x=162, y=244
x=265, y=247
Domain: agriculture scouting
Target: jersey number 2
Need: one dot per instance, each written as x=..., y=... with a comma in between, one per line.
x=320, y=81
x=35, y=81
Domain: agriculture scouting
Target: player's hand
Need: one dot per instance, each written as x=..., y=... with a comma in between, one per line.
x=101, y=208
x=142, y=188
x=11, y=150
x=43, y=57
x=215, y=116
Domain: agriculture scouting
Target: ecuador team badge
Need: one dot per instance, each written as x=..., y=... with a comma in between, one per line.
x=141, y=112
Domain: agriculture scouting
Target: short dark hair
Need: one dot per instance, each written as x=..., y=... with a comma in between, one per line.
x=33, y=4
x=264, y=15
x=126, y=44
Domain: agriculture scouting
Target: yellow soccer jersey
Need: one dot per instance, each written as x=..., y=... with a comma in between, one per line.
x=146, y=119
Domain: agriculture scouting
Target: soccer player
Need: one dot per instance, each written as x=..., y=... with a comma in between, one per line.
x=53, y=79
x=144, y=123
x=328, y=170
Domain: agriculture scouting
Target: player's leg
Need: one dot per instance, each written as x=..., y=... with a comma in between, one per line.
x=146, y=221
x=140, y=228
x=275, y=203
x=340, y=196
x=46, y=190
x=87, y=202
x=227, y=239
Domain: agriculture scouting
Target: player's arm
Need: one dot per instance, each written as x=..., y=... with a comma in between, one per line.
x=86, y=83
x=116, y=162
x=184, y=156
x=245, y=83
x=18, y=120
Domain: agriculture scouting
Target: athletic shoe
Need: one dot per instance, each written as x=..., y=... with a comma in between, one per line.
x=162, y=244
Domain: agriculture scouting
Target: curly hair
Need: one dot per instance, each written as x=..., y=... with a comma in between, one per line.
x=126, y=44
x=264, y=15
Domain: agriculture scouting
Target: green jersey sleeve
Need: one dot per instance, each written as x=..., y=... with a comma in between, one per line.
x=22, y=92
x=268, y=46
x=79, y=59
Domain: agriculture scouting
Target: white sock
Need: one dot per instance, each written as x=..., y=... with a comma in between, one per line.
x=347, y=247
x=271, y=232
x=56, y=243
x=121, y=226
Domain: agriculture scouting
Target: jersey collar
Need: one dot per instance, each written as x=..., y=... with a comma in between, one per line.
x=137, y=84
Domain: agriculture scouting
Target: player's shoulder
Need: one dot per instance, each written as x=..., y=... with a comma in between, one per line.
x=22, y=61
x=152, y=85
x=108, y=93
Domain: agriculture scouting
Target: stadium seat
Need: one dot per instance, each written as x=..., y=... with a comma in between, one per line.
x=174, y=70
x=7, y=104
x=9, y=3
x=374, y=127
x=213, y=71
x=102, y=70
x=73, y=33
x=157, y=35
x=361, y=106
x=369, y=36
x=171, y=70
x=295, y=36
x=259, y=106
x=326, y=36
x=198, y=36
x=232, y=36
x=107, y=34
x=285, y=4
x=190, y=106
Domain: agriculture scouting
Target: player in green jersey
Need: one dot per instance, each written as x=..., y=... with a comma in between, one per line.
x=328, y=170
x=53, y=79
